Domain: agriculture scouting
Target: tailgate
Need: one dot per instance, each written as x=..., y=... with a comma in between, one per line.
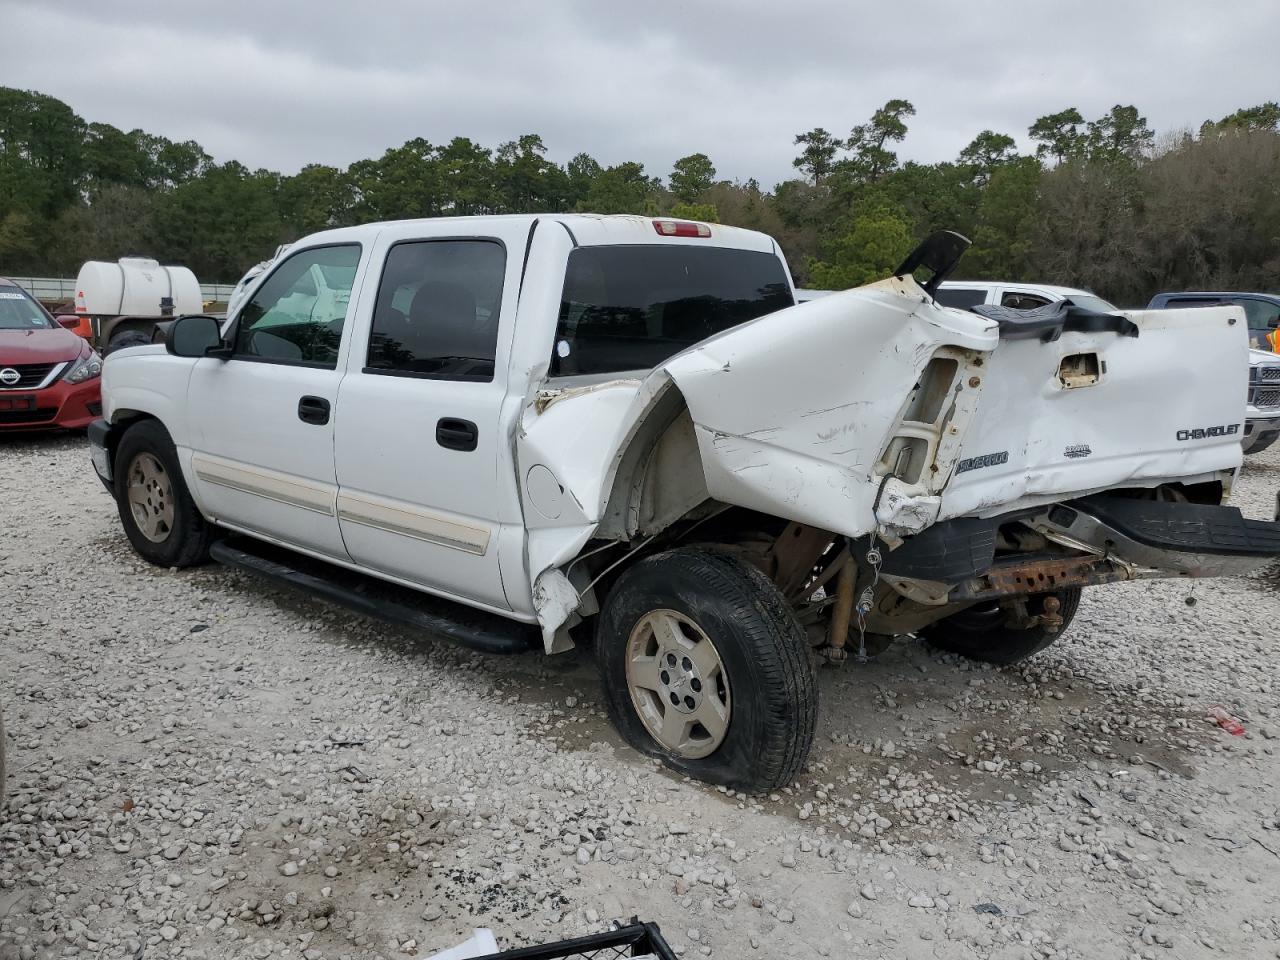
x=1091, y=411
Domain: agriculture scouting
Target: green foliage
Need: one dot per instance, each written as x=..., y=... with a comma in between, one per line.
x=867, y=249
x=870, y=157
x=692, y=176
x=704, y=212
x=1120, y=134
x=988, y=151
x=1006, y=223
x=1060, y=135
x=1265, y=117
x=622, y=189
x=819, y=153
x=1099, y=204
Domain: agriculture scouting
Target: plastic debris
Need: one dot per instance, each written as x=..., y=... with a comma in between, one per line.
x=1226, y=721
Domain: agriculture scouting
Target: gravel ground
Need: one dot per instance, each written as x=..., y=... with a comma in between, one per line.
x=202, y=766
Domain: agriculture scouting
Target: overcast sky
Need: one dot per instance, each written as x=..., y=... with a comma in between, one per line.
x=282, y=84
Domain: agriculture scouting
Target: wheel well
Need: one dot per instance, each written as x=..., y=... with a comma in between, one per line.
x=659, y=479
x=121, y=422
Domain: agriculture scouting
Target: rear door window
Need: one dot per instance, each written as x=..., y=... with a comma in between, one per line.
x=632, y=307
x=962, y=298
x=437, y=311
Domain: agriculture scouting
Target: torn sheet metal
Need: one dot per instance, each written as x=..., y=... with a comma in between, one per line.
x=795, y=411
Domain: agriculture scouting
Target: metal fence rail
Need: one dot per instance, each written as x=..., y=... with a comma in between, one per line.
x=52, y=289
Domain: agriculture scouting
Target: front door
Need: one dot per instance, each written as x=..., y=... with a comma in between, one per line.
x=262, y=422
x=426, y=488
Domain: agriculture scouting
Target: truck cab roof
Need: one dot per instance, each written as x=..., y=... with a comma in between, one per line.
x=585, y=229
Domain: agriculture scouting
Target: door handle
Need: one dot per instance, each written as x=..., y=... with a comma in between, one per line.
x=313, y=410
x=455, y=434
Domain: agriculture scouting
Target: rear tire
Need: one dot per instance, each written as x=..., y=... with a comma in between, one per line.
x=980, y=632
x=710, y=633
x=160, y=519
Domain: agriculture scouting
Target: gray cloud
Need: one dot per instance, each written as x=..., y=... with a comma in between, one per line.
x=282, y=84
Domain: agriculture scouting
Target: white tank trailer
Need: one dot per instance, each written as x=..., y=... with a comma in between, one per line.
x=124, y=300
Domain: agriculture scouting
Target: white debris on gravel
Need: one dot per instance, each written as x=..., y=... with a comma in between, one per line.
x=204, y=767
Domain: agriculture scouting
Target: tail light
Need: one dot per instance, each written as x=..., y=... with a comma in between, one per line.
x=681, y=228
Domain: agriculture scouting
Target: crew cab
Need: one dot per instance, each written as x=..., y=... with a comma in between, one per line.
x=621, y=431
x=1262, y=317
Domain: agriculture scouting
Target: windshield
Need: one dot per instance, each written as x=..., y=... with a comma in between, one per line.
x=632, y=307
x=1087, y=301
x=19, y=312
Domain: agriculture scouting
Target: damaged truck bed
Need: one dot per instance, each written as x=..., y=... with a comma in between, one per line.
x=648, y=446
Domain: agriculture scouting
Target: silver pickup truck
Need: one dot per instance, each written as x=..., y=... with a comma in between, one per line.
x=621, y=431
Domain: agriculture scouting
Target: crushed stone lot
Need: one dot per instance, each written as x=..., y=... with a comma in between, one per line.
x=204, y=766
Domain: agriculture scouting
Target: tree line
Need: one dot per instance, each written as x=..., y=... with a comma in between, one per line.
x=1101, y=203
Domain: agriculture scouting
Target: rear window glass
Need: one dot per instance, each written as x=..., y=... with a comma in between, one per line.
x=961, y=299
x=632, y=307
x=19, y=312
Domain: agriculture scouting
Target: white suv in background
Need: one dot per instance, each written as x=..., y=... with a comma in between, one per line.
x=964, y=294
x=1021, y=296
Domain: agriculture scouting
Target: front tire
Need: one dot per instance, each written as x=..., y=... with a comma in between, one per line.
x=704, y=665
x=981, y=633
x=159, y=517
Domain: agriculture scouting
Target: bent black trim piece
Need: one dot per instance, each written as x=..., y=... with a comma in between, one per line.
x=1047, y=323
x=939, y=253
x=1185, y=527
x=948, y=552
x=636, y=939
x=466, y=626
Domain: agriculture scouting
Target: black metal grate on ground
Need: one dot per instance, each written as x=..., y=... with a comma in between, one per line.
x=633, y=941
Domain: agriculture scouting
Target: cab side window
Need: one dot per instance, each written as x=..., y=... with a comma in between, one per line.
x=298, y=313
x=437, y=311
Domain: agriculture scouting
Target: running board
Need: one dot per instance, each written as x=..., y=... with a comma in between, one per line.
x=464, y=625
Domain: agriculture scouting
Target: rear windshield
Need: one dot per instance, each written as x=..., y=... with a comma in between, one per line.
x=632, y=307
x=19, y=312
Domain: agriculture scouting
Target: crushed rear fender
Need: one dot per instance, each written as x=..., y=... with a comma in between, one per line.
x=847, y=412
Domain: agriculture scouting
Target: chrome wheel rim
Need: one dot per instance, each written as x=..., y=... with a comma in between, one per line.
x=678, y=683
x=150, y=494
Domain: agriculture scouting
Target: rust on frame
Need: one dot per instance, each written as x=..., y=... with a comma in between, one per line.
x=1042, y=576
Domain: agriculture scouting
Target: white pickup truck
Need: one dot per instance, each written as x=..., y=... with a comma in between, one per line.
x=620, y=430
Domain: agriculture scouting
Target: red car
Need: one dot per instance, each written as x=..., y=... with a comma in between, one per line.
x=49, y=377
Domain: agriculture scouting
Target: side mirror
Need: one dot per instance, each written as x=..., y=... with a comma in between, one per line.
x=68, y=321
x=196, y=335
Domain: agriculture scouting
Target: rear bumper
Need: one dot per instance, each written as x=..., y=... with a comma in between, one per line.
x=67, y=406
x=1260, y=425
x=1095, y=540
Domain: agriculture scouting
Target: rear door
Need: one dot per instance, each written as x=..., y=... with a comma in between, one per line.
x=261, y=423
x=427, y=485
